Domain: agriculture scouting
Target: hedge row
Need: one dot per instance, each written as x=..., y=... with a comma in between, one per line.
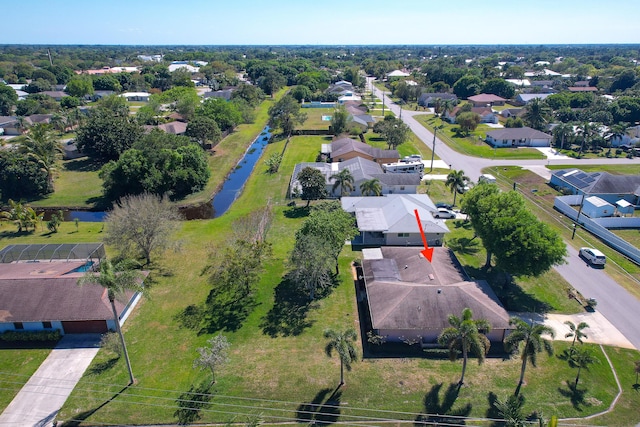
x=17, y=336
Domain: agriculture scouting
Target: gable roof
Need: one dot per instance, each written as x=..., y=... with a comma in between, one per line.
x=526, y=97
x=394, y=213
x=599, y=182
x=486, y=97
x=407, y=299
x=518, y=133
x=341, y=146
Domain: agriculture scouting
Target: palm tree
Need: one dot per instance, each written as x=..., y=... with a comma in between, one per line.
x=530, y=336
x=342, y=343
x=117, y=279
x=581, y=358
x=616, y=131
x=456, y=181
x=467, y=335
x=371, y=187
x=22, y=215
x=344, y=180
x=445, y=106
x=561, y=134
x=536, y=113
x=576, y=332
x=586, y=130
x=58, y=122
x=44, y=148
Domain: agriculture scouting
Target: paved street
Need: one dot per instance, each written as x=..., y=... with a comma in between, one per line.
x=617, y=305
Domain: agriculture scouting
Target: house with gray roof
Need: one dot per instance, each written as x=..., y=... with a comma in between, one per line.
x=518, y=137
x=362, y=170
x=486, y=99
x=344, y=149
x=525, y=98
x=410, y=298
x=390, y=220
x=430, y=99
x=608, y=187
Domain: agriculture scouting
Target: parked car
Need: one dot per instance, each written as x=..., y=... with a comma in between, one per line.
x=444, y=213
x=444, y=205
x=593, y=256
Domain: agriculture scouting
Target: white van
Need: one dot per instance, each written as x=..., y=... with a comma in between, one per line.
x=593, y=256
x=485, y=177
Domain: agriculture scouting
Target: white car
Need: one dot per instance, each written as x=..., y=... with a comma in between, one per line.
x=593, y=256
x=444, y=213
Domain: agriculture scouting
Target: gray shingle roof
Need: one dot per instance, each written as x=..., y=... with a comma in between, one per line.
x=518, y=133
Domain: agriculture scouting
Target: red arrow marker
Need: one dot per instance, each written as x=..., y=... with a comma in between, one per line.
x=427, y=252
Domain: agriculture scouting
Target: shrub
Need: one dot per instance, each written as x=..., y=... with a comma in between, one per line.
x=25, y=336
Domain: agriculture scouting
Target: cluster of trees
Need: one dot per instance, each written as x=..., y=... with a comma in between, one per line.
x=393, y=130
x=520, y=243
x=318, y=245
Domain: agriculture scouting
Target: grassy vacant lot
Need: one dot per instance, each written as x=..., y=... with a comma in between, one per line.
x=277, y=345
x=474, y=144
x=16, y=366
x=77, y=185
x=314, y=118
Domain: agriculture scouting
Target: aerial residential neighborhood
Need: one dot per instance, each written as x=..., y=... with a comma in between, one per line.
x=319, y=234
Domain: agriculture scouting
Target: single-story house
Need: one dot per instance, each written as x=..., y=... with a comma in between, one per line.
x=390, y=220
x=223, y=93
x=175, y=128
x=9, y=125
x=409, y=298
x=486, y=99
x=582, y=89
x=595, y=207
x=136, y=96
x=109, y=70
x=363, y=121
x=397, y=74
x=608, y=187
x=362, y=170
x=43, y=294
x=344, y=149
x=487, y=115
x=429, y=99
x=348, y=96
x=519, y=82
x=340, y=88
x=518, y=137
x=179, y=65
x=512, y=112
x=525, y=98
x=631, y=137
x=55, y=94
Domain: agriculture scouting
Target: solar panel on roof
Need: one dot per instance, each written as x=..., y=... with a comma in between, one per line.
x=589, y=179
x=581, y=175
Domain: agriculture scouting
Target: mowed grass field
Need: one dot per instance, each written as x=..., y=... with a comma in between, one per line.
x=277, y=363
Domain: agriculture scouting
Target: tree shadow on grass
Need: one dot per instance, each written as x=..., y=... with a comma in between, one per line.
x=82, y=416
x=441, y=411
x=320, y=411
x=464, y=245
x=190, y=403
x=575, y=394
x=288, y=316
x=225, y=312
x=85, y=164
x=512, y=296
x=101, y=367
x=297, y=211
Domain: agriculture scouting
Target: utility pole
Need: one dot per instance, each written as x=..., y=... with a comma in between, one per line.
x=49, y=54
x=383, y=105
x=433, y=149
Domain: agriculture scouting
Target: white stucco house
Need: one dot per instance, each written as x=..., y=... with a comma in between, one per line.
x=518, y=137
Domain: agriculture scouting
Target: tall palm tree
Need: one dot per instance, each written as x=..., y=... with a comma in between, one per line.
x=616, y=131
x=537, y=113
x=586, y=131
x=445, y=106
x=344, y=180
x=116, y=279
x=576, y=332
x=467, y=335
x=561, y=134
x=527, y=339
x=342, y=343
x=581, y=358
x=44, y=148
x=371, y=187
x=456, y=180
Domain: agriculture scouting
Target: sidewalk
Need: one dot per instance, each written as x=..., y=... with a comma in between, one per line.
x=39, y=401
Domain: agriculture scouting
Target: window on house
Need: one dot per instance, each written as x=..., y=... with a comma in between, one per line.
x=18, y=325
x=402, y=188
x=46, y=325
x=403, y=234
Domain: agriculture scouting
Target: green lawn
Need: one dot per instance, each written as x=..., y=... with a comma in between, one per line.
x=76, y=185
x=314, y=118
x=474, y=144
x=16, y=367
x=612, y=169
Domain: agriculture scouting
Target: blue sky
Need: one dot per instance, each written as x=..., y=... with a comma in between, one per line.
x=328, y=22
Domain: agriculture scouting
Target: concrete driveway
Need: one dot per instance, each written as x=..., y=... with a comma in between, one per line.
x=39, y=401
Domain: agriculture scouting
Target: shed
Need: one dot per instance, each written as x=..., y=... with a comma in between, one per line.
x=624, y=208
x=595, y=207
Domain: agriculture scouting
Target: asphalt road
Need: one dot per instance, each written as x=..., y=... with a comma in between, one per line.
x=614, y=302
